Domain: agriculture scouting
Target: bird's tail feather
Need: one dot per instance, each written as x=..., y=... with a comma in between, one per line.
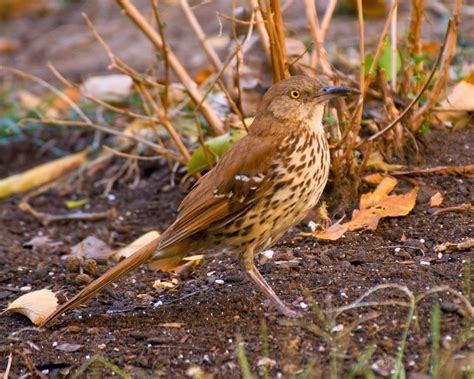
x=115, y=273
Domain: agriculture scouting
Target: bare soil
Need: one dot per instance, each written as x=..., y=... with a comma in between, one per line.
x=129, y=323
x=126, y=324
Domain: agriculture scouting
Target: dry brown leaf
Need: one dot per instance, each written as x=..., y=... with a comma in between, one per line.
x=8, y=46
x=373, y=206
x=69, y=347
x=165, y=284
x=92, y=248
x=459, y=102
x=436, y=200
x=136, y=245
x=113, y=88
x=36, y=305
x=374, y=178
x=72, y=93
x=376, y=162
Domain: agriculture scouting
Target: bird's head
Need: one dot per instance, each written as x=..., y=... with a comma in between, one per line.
x=300, y=98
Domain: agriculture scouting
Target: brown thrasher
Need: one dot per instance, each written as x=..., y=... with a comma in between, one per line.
x=265, y=184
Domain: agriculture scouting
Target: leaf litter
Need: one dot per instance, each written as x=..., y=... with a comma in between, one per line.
x=373, y=207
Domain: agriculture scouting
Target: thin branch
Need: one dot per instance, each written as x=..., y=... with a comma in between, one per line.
x=420, y=93
x=214, y=122
x=45, y=84
x=327, y=18
x=261, y=28
x=316, y=34
x=206, y=46
x=159, y=149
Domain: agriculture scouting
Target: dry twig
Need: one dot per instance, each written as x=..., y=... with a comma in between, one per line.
x=140, y=21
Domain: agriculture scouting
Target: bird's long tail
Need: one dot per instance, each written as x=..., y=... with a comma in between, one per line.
x=115, y=273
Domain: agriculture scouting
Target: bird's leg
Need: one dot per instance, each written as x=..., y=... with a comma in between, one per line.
x=247, y=260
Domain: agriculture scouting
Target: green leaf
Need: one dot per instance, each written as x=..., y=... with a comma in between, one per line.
x=216, y=147
x=71, y=204
x=385, y=61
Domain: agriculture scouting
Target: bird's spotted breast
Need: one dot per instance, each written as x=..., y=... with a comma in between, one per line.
x=299, y=174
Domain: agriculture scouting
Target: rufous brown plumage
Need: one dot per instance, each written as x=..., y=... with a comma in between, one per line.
x=265, y=184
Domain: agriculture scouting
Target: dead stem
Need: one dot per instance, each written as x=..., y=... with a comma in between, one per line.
x=327, y=18
x=261, y=27
x=140, y=21
x=60, y=77
x=46, y=218
x=420, y=93
x=154, y=6
x=165, y=122
x=206, y=46
x=157, y=148
x=457, y=208
x=130, y=156
x=413, y=47
x=393, y=45
x=449, y=50
x=466, y=170
x=320, y=56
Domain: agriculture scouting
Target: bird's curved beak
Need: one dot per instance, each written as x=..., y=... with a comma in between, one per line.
x=329, y=92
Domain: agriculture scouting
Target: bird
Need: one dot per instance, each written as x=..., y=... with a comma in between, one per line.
x=266, y=183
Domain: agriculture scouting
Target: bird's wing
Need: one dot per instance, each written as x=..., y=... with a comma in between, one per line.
x=225, y=192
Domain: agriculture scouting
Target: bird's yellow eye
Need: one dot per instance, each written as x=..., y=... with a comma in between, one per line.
x=295, y=94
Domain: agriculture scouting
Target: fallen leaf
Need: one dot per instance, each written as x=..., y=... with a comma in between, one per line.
x=41, y=243
x=373, y=206
x=8, y=46
x=374, y=178
x=459, y=102
x=114, y=88
x=203, y=74
x=69, y=347
x=73, y=93
x=41, y=174
x=376, y=162
x=436, y=200
x=36, y=305
x=71, y=204
x=164, y=284
x=28, y=100
x=93, y=248
x=136, y=245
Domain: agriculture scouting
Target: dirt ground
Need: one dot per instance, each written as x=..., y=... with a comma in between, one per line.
x=148, y=333
x=127, y=323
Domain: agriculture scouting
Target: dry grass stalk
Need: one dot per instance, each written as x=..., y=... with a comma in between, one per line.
x=422, y=90
x=261, y=27
x=164, y=97
x=413, y=45
x=206, y=46
x=140, y=85
x=274, y=28
x=215, y=123
x=434, y=94
x=320, y=56
x=327, y=18
x=393, y=45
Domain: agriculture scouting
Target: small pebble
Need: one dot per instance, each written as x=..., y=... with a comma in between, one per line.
x=219, y=281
